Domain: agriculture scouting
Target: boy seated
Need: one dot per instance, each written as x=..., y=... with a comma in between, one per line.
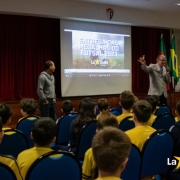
x=88, y=168
x=43, y=133
x=141, y=114
x=111, y=148
x=66, y=108
x=126, y=100
x=175, y=131
x=151, y=100
x=156, y=97
x=102, y=105
x=8, y=159
x=6, y=115
x=28, y=108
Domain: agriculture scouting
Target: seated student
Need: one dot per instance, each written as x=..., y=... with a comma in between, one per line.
x=28, y=108
x=126, y=100
x=86, y=113
x=157, y=101
x=102, y=105
x=6, y=115
x=152, y=101
x=175, y=131
x=66, y=108
x=105, y=119
x=111, y=148
x=43, y=133
x=8, y=159
x=141, y=114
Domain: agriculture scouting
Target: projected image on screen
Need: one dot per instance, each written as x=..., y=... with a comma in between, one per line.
x=97, y=54
x=93, y=50
x=95, y=58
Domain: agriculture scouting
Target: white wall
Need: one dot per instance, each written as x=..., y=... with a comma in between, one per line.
x=66, y=9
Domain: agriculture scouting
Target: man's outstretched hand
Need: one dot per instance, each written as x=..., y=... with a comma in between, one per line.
x=142, y=61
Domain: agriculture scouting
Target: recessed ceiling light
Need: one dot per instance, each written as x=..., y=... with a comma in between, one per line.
x=178, y=4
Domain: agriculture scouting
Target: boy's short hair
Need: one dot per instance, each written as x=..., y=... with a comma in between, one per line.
x=103, y=104
x=5, y=112
x=178, y=108
x=67, y=106
x=156, y=97
x=152, y=101
x=142, y=109
x=127, y=99
x=136, y=99
x=29, y=106
x=110, y=147
x=106, y=119
x=43, y=131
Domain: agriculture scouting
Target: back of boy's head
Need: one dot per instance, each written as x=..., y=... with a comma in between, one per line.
x=103, y=104
x=5, y=112
x=110, y=147
x=156, y=97
x=152, y=101
x=127, y=100
x=106, y=119
x=29, y=106
x=43, y=131
x=142, y=109
x=178, y=108
x=67, y=106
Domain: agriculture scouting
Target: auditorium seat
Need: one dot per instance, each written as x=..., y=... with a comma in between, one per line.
x=25, y=125
x=55, y=165
x=13, y=142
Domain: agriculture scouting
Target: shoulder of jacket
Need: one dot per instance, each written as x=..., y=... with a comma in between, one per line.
x=152, y=65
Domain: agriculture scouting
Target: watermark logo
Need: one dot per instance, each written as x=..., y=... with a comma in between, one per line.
x=174, y=162
x=171, y=162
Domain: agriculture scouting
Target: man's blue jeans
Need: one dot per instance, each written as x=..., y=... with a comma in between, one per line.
x=49, y=109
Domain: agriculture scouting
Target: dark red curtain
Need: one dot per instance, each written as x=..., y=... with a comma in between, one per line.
x=145, y=41
x=25, y=44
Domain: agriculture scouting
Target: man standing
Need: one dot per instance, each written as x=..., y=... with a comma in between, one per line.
x=159, y=76
x=46, y=91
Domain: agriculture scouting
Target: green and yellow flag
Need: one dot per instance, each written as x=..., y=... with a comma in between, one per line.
x=173, y=61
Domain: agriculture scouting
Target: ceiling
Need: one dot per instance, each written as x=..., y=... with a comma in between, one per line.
x=155, y=5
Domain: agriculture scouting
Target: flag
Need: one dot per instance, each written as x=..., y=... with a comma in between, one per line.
x=162, y=48
x=173, y=62
x=162, y=51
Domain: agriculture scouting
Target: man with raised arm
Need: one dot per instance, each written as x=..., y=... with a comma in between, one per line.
x=159, y=76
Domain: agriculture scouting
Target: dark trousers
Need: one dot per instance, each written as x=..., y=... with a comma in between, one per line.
x=48, y=110
x=162, y=99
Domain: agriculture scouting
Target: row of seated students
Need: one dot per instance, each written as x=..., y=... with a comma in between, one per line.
x=43, y=133
x=142, y=111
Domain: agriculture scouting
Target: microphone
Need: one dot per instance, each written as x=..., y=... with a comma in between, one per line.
x=167, y=69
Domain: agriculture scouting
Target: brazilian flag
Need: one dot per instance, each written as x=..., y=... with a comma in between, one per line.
x=173, y=61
